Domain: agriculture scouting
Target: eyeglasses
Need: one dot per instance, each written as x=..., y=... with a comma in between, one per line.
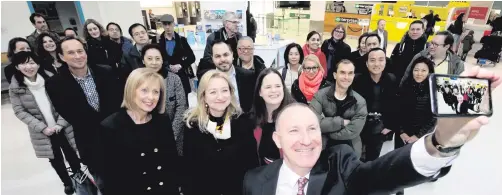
x=245, y=49
x=435, y=44
x=233, y=22
x=311, y=69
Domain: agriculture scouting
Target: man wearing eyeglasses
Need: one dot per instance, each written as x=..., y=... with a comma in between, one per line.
x=247, y=59
x=439, y=51
x=229, y=34
x=179, y=54
x=132, y=59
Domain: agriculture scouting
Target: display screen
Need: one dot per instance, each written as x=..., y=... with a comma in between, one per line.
x=462, y=96
x=294, y=4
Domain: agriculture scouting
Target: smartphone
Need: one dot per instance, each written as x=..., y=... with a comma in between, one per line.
x=459, y=96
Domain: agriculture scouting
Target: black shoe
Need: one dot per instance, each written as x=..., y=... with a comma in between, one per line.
x=69, y=189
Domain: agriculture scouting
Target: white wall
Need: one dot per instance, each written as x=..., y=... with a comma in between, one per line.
x=15, y=21
x=158, y=11
x=228, y=6
x=124, y=13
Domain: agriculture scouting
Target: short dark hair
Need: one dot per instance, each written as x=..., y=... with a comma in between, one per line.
x=448, y=39
x=23, y=57
x=374, y=35
x=64, y=32
x=375, y=49
x=59, y=48
x=312, y=33
x=417, y=22
x=286, y=53
x=343, y=61
x=220, y=41
x=33, y=15
x=153, y=46
x=12, y=46
x=421, y=59
x=259, y=109
x=361, y=39
x=132, y=27
x=118, y=26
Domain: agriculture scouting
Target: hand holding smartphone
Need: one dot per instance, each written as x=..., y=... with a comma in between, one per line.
x=460, y=96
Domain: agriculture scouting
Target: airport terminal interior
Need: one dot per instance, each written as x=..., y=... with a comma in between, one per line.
x=476, y=171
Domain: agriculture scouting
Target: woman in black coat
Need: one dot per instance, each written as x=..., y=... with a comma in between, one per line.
x=100, y=49
x=270, y=96
x=138, y=145
x=47, y=45
x=415, y=115
x=218, y=144
x=335, y=49
x=357, y=56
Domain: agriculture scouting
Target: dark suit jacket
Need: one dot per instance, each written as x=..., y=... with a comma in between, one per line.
x=71, y=103
x=339, y=171
x=182, y=55
x=385, y=38
x=215, y=166
x=246, y=80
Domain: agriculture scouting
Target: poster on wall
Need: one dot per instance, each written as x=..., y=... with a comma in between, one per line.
x=364, y=8
x=457, y=12
x=478, y=12
x=239, y=14
x=214, y=14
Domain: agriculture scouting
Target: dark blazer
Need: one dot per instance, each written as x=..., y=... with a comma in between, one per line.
x=182, y=55
x=258, y=63
x=298, y=94
x=71, y=103
x=246, y=80
x=136, y=151
x=217, y=167
x=129, y=61
x=339, y=171
x=338, y=51
x=363, y=84
x=101, y=51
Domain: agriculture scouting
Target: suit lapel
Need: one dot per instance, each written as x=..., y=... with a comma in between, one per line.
x=316, y=180
x=271, y=178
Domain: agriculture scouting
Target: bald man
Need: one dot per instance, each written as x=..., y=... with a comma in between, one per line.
x=306, y=169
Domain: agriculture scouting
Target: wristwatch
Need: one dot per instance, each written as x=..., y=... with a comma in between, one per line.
x=442, y=148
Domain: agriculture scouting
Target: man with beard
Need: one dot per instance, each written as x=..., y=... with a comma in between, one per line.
x=40, y=23
x=243, y=80
x=341, y=111
x=412, y=43
x=379, y=89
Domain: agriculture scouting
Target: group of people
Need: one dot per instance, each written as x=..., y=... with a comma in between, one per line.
x=463, y=96
x=123, y=107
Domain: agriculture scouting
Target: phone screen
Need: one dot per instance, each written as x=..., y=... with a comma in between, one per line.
x=460, y=96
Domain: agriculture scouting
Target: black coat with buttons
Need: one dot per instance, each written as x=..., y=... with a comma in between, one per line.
x=139, y=159
x=217, y=167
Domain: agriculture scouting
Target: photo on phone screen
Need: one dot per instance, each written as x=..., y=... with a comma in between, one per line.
x=455, y=95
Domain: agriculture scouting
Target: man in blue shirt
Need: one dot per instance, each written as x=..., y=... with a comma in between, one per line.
x=179, y=54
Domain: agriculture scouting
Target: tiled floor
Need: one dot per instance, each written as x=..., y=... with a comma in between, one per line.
x=476, y=171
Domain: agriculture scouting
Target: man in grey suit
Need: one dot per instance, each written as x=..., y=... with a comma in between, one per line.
x=382, y=33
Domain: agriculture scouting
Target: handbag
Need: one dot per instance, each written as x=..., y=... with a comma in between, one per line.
x=83, y=183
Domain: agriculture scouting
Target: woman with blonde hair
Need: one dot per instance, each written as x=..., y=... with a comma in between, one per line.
x=218, y=145
x=310, y=80
x=138, y=140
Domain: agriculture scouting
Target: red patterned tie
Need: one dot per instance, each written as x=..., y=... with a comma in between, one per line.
x=301, y=185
